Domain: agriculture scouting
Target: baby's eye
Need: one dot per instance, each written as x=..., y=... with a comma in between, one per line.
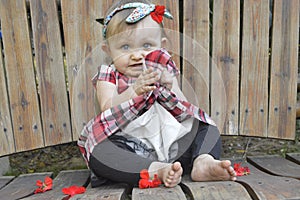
x=147, y=46
x=125, y=47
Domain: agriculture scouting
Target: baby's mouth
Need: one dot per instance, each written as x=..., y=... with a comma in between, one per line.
x=136, y=65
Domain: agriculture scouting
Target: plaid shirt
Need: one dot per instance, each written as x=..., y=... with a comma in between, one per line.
x=113, y=119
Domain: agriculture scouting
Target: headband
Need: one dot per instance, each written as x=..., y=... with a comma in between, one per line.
x=141, y=10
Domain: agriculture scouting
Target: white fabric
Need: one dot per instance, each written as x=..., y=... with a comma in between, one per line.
x=160, y=129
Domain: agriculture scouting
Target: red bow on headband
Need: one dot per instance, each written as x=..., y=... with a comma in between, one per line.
x=158, y=14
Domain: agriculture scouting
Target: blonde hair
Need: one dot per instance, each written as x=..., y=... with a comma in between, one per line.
x=118, y=22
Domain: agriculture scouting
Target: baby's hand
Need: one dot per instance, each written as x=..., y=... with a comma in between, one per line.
x=166, y=79
x=145, y=82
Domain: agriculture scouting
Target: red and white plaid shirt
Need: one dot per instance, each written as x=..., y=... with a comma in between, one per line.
x=113, y=119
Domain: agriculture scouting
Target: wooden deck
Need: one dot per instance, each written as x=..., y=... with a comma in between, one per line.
x=272, y=177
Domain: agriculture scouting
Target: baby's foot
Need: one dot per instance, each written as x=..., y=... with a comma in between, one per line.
x=169, y=174
x=206, y=168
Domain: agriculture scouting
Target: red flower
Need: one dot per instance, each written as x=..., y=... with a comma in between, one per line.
x=73, y=190
x=44, y=186
x=158, y=14
x=146, y=182
x=144, y=174
x=239, y=170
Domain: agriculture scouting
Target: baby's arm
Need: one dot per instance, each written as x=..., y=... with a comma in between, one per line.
x=170, y=81
x=108, y=96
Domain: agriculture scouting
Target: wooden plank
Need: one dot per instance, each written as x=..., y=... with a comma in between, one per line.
x=171, y=28
x=297, y=110
x=7, y=144
x=263, y=186
x=221, y=190
x=295, y=157
x=22, y=186
x=62, y=180
x=4, y=180
x=24, y=105
x=195, y=80
x=105, y=192
x=254, y=70
x=50, y=71
x=225, y=65
x=298, y=83
x=159, y=193
x=82, y=36
x=276, y=165
x=284, y=69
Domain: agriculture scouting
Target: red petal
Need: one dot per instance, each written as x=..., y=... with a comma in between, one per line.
x=240, y=171
x=48, y=180
x=158, y=13
x=144, y=174
x=156, y=183
x=39, y=183
x=160, y=9
x=73, y=190
x=47, y=187
x=236, y=166
x=143, y=183
x=38, y=190
x=156, y=17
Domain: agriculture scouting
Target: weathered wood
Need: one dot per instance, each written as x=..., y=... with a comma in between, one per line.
x=225, y=65
x=22, y=186
x=107, y=192
x=298, y=83
x=261, y=185
x=284, y=69
x=50, y=72
x=159, y=193
x=63, y=180
x=82, y=36
x=171, y=28
x=7, y=145
x=298, y=110
x=24, y=105
x=195, y=66
x=295, y=157
x=221, y=190
x=276, y=165
x=254, y=69
x=4, y=180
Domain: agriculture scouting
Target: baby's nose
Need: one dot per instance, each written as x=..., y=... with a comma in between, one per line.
x=137, y=55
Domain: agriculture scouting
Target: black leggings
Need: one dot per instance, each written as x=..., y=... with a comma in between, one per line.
x=119, y=164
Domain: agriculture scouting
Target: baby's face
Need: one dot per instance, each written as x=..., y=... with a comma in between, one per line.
x=129, y=48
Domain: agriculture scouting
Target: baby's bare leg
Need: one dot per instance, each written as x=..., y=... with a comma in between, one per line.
x=206, y=168
x=170, y=174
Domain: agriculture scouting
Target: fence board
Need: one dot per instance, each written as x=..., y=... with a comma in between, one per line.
x=20, y=76
x=254, y=69
x=50, y=71
x=225, y=65
x=7, y=144
x=172, y=28
x=82, y=36
x=195, y=81
x=284, y=69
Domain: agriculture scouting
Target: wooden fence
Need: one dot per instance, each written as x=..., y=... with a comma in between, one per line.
x=239, y=57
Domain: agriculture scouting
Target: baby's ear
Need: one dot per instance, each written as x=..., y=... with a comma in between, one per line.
x=164, y=42
x=105, y=48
